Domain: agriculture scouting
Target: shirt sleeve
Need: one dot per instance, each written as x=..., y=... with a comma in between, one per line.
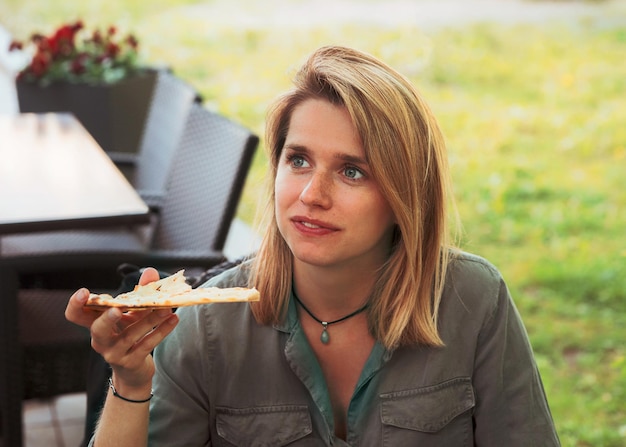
x=511, y=405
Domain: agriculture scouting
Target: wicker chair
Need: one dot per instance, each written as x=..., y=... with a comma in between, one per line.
x=169, y=108
x=54, y=350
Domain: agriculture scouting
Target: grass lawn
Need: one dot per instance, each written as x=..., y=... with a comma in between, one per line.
x=534, y=116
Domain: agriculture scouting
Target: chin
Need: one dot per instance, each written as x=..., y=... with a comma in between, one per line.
x=316, y=259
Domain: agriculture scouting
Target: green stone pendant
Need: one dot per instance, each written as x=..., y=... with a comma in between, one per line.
x=325, y=338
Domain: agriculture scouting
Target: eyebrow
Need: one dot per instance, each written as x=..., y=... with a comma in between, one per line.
x=339, y=156
x=352, y=159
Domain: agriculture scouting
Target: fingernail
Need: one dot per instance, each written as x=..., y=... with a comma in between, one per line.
x=82, y=295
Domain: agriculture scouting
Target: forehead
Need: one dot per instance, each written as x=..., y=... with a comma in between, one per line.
x=318, y=124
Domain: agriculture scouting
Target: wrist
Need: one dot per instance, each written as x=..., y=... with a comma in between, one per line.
x=133, y=395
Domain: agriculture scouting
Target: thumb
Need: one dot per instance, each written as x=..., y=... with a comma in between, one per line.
x=149, y=275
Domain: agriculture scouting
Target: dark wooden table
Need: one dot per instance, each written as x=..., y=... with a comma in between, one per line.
x=53, y=176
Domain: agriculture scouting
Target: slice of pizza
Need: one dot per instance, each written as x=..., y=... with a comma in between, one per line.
x=172, y=291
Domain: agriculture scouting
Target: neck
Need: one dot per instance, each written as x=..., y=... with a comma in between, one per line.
x=325, y=336
x=330, y=295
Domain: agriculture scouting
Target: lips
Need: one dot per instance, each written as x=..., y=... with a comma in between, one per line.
x=307, y=225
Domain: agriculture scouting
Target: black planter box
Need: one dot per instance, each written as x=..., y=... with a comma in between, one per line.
x=114, y=114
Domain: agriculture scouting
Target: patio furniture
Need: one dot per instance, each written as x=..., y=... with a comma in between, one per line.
x=202, y=193
x=42, y=187
x=169, y=108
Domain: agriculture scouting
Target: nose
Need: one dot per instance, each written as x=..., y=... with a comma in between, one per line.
x=317, y=191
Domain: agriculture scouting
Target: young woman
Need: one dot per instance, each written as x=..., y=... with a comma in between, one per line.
x=371, y=330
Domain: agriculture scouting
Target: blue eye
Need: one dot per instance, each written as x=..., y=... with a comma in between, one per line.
x=297, y=162
x=352, y=173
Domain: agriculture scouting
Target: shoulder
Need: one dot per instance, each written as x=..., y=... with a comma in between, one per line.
x=474, y=287
x=235, y=276
x=471, y=269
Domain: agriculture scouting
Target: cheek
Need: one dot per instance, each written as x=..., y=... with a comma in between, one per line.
x=284, y=190
x=381, y=215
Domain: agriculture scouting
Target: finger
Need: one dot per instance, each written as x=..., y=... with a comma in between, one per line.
x=77, y=313
x=114, y=338
x=136, y=330
x=129, y=353
x=148, y=275
x=104, y=329
x=150, y=341
x=131, y=316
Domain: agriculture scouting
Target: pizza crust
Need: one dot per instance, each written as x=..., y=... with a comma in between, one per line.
x=169, y=292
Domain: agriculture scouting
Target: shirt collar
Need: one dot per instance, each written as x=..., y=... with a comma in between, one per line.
x=291, y=318
x=379, y=356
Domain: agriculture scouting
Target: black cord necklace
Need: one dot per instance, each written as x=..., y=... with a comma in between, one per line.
x=325, y=337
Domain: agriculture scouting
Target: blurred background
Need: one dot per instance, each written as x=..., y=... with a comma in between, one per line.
x=531, y=97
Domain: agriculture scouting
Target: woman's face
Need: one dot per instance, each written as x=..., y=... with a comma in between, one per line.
x=329, y=208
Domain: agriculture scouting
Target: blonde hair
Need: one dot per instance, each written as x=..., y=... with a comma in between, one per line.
x=406, y=153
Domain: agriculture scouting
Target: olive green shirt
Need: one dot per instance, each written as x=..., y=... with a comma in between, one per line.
x=224, y=380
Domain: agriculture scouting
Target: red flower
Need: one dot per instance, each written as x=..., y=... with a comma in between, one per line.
x=132, y=41
x=39, y=39
x=64, y=56
x=65, y=32
x=97, y=37
x=62, y=39
x=77, y=26
x=40, y=64
x=112, y=50
x=78, y=64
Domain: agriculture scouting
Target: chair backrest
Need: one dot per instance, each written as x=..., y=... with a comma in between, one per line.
x=205, y=183
x=169, y=108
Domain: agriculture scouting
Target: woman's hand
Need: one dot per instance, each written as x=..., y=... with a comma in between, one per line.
x=125, y=340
